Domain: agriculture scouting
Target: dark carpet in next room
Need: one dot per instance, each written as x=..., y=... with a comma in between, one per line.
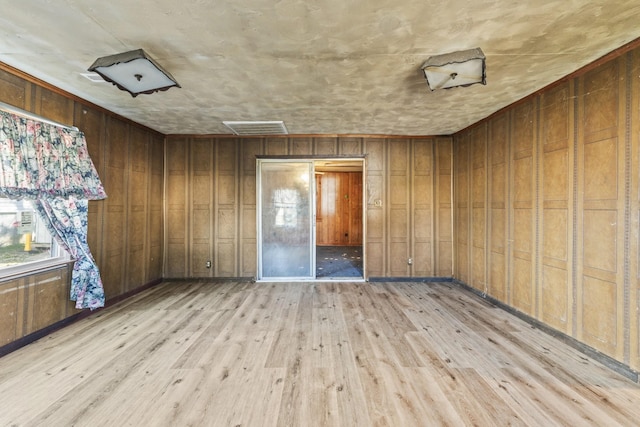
x=338, y=261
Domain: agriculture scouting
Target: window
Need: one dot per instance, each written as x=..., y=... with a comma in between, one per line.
x=25, y=242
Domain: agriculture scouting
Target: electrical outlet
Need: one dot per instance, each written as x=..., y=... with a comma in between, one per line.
x=208, y=264
x=410, y=261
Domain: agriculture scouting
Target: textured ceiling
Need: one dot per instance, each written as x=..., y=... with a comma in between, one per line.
x=324, y=67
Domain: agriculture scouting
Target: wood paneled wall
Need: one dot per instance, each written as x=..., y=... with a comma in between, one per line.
x=547, y=207
x=124, y=231
x=203, y=193
x=211, y=202
x=31, y=303
x=339, y=208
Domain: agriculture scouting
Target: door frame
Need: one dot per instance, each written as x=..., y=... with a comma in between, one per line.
x=313, y=159
x=310, y=232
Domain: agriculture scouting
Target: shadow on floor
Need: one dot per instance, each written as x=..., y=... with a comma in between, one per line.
x=338, y=261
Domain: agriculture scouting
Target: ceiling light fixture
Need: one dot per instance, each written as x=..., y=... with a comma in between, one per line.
x=462, y=68
x=135, y=72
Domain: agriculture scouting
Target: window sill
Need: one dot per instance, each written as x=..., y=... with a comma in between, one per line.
x=36, y=268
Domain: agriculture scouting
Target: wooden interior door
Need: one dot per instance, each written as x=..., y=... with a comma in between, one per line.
x=339, y=208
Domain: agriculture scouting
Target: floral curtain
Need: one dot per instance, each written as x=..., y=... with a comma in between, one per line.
x=51, y=165
x=64, y=218
x=39, y=160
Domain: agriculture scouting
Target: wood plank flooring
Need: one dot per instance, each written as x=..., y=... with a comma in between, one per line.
x=308, y=354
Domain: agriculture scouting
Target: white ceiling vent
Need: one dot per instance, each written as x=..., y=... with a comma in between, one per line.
x=257, y=127
x=94, y=77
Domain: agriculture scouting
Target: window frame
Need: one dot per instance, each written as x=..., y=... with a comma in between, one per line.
x=59, y=256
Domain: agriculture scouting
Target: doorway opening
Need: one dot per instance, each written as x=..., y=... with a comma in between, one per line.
x=310, y=219
x=339, y=224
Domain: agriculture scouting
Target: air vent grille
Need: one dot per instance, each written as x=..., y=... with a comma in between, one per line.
x=257, y=127
x=94, y=77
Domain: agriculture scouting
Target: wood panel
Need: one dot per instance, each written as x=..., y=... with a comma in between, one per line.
x=11, y=311
x=632, y=161
x=564, y=207
x=15, y=91
x=443, y=220
x=349, y=146
x=227, y=208
x=355, y=208
x=339, y=208
x=376, y=205
x=276, y=146
x=200, y=188
x=137, y=208
x=498, y=161
x=478, y=194
x=522, y=207
x=423, y=204
x=556, y=165
x=203, y=238
x=249, y=149
x=53, y=105
x=462, y=212
x=33, y=302
x=176, y=247
x=399, y=185
x=47, y=296
x=115, y=210
x=301, y=146
x=155, y=222
x=325, y=146
x=600, y=207
x=399, y=199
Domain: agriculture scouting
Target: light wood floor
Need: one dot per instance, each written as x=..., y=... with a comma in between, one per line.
x=304, y=354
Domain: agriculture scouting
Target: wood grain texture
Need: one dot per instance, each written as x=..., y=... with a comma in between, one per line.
x=211, y=203
x=462, y=221
x=443, y=220
x=633, y=163
x=313, y=354
x=124, y=231
x=562, y=211
x=339, y=208
x=498, y=156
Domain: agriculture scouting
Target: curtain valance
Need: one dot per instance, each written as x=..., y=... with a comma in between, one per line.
x=40, y=160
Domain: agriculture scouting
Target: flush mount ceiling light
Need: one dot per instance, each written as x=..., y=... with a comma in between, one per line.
x=257, y=127
x=462, y=68
x=135, y=72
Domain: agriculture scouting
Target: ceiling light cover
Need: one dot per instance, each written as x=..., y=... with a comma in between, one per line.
x=135, y=72
x=257, y=127
x=462, y=68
